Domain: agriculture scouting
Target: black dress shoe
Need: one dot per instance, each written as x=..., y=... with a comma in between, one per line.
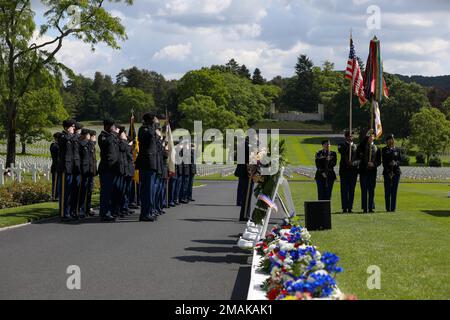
x=349, y=211
x=344, y=211
x=66, y=219
x=147, y=219
x=371, y=211
x=193, y=200
x=183, y=202
x=107, y=219
x=365, y=211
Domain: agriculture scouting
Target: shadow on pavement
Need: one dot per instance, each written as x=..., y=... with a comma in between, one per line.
x=240, y=290
x=229, y=258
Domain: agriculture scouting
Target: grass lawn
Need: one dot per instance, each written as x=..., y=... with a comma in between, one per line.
x=294, y=125
x=411, y=246
x=301, y=150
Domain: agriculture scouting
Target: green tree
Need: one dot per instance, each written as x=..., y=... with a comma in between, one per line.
x=306, y=93
x=446, y=108
x=405, y=99
x=430, y=131
x=244, y=72
x=128, y=99
x=21, y=60
x=205, y=109
x=39, y=110
x=257, y=77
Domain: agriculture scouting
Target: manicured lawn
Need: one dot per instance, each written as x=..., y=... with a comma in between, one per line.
x=301, y=150
x=293, y=125
x=412, y=246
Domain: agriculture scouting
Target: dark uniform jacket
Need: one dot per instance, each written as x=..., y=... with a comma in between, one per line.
x=389, y=155
x=87, y=158
x=76, y=154
x=109, y=153
x=325, y=167
x=241, y=169
x=344, y=167
x=65, y=159
x=147, y=158
x=54, y=151
x=363, y=157
x=159, y=156
x=193, y=165
x=124, y=158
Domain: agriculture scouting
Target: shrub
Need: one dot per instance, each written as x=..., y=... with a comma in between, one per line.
x=25, y=193
x=421, y=158
x=435, y=162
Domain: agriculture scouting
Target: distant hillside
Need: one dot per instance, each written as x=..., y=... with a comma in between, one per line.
x=442, y=82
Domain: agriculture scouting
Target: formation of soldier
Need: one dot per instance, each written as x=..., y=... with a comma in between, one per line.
x=128, y=180
x=362, y=160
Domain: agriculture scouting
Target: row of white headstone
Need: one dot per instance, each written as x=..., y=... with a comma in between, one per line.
x=15, y=173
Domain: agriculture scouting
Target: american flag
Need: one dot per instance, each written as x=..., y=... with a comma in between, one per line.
x=353, y=73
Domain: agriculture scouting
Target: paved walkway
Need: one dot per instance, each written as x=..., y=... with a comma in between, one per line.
x=190, y=253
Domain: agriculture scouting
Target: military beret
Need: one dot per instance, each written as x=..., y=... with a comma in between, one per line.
x=390, y=137
x=78, y=126
x=148, y=118
x=108, y=123
x=121, y=129
x=93, y=132
x=325, y=142
x=68, y=123
x=85, y=132
x=348, y=134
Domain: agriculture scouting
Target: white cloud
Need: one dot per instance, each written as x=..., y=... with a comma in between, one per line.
x=180, y=7
x=177, y=52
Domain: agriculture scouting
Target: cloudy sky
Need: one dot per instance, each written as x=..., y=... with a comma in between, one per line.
x=175, y=36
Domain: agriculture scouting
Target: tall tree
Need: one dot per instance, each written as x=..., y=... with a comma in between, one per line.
x=257, y=77
x=307, y=95
x=21, y=58
x=244, y=72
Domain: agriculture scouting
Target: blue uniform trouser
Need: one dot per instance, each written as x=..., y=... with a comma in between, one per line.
x=246, y=204
x=55, y=187
x=65, y=191
x=185, y=188
x=158, y=194
x=109, y=195
x=147, y=189
x=242, y=187
x=348, y=185
x=125, y=189
x=84, y=195
x=324, y=189
x=172, y=190
x=76, y=190
x=390, y=191
x=368, y=183
x=179, y=191
x=190, y=187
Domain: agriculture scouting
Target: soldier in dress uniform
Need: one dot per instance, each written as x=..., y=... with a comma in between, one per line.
x=160, y=171
x=126, y=172
x=65, y=169
x=54, y=151
x=192, y=173
x=92, y=146
x=325, y=176
x=76, y=170
x=245, y=183
x=391, y=172
x=348, y=172
x=369, y=157
x=87, y=170
x=109, y=170
x=146, y=163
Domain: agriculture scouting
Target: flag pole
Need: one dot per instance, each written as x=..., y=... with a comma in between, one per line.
x=351, y=105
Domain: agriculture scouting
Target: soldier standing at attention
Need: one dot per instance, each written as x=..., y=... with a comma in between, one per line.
x=146, y=163
x=348, y=172
x=370, y=159
x=54, y=151
x=65, y=170
x=391, y=172
x=109, y=169
x=325, y=176
x=77, y=170
x=192, y=173
x=93, y=153
x=126, y=173
x=87, y=170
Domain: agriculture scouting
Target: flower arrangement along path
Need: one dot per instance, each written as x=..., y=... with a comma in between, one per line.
x=190, y=253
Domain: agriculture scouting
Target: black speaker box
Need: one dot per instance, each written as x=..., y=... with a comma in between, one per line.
x=318, y=215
